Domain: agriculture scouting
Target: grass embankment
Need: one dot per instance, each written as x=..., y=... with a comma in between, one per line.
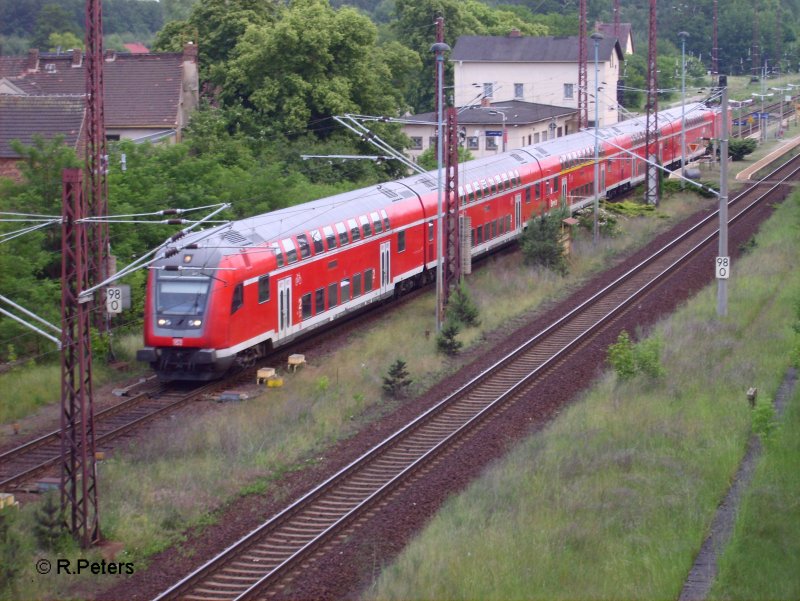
x=27, y=388
x=152, y=493
x=761, y=561
x=614, y=499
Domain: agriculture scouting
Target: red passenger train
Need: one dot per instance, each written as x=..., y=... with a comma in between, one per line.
x=230, y=294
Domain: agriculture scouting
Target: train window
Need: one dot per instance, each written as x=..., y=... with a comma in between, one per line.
x=508, y=223
x=485, y=187
x=319, y=301
x=291, y=251
x=263, y=288
x=385, y=219
x=316, y=237
x=479, y=231
x=376, y=222
x=238, y=298
x=330, y=237
x=369, y=276
x=505, y=181
x=430, y=231
x=501, y=225
x=342, y=234
x=528, y=195
x=487, y=230
x=278, y=254
x=401, y=241
x=356, y=285
x=538, y=191
x=345, y=291
x=302, y=243
x=492, y=186
x=355, y=233
x=494, y=228
x=305, y=305
x=333, y=295
x=365, y=226
x=478, y=190
x=555, y=183
x=470, y=193
x=462, y=198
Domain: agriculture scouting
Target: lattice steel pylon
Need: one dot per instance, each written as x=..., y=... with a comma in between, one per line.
x=78, y=467
x=651, y=135
x=96, y=153
x=452, y=260
x=583, y=77
x=756, y=49
x=715, y=45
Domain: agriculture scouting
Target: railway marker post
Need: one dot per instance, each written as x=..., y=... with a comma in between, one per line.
x=722, y=282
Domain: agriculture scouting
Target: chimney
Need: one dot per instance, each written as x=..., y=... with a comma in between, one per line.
x=189, y=52
x=515, y=33
x=33, y=60
x=77, y=57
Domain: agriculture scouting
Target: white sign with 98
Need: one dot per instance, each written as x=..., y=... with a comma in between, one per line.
x=723, y=268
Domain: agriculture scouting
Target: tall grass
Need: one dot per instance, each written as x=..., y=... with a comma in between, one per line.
x=761, y=561
x=614, y=499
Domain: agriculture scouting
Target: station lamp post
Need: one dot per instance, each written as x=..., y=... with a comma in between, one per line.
x=762, y=129
x=782, y=92
x=503, y=115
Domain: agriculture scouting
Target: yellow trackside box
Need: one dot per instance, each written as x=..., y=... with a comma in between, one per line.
x=275, y=382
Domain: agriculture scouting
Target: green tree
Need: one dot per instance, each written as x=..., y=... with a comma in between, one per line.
x=64, y=41
x=447, y=341
x=397, y=381
x=10, y=550
x=52, y=18
x=313, y=63
x=541, y=242
x=462, y=308
x=738, y=148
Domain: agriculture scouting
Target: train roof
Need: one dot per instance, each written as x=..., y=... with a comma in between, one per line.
x=316, y=214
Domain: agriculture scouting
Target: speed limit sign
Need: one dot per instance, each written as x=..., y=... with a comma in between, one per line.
x=114, y=299
x=723, y=268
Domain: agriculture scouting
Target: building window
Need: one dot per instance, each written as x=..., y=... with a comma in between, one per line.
x=519, y=91
x=569, y=90
x=491, y=143
x=488, y=90
x=544, y=136
x=416, y=142
x=560, y=132
x=536, y=138
x=473, y=143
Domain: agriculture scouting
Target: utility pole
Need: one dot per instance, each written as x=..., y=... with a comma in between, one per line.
x=439, y=49
x=755, y=51
x=714, y=47
x=78, y=468
x=96, y=153
x=723, y=261
x=583, y=77
x=596, y=37
x=683, y=35
x=651, y=134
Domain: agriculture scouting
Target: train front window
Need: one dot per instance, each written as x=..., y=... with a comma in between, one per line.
x=182, y=295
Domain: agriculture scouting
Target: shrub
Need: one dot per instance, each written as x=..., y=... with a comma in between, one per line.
x=606, y=220
x=48, y=527
x=462, y=308
x=630, y=359
x=620, y=356
x=10, y=549
x=738, y=148
x=396, y=382
x=541, y=242
x=764, y=423
x=446, y=341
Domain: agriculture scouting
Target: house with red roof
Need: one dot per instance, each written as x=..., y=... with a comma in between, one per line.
x=147, y=96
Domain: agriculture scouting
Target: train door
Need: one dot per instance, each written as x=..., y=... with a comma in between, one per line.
x=518, y=212
x=386, y=278
x=284, y=306
x=564, y=191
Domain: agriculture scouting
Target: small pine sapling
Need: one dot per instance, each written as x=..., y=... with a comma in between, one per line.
x=397, y=381
x=462, y=308
x=446, y=341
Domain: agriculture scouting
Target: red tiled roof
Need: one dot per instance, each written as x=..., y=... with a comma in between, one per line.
x=22, y=117
x=11, y=66
x=136, y=48
x=141, y=90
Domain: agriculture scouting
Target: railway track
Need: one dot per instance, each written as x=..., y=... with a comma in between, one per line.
x=260, y=561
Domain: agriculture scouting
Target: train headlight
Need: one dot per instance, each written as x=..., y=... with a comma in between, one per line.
x=196, y=323
x=164, y=322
